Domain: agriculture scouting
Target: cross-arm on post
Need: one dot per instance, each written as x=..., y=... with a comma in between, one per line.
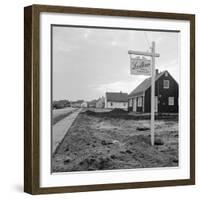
x=144, y=53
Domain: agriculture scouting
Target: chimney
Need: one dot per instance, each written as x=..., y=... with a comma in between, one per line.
x=157, y=72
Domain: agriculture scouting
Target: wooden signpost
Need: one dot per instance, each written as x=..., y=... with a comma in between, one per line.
x=136, y=68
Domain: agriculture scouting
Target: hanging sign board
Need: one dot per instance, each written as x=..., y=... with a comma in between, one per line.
x=140, y=66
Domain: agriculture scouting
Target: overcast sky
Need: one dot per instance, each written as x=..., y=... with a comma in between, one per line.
x=88, y=62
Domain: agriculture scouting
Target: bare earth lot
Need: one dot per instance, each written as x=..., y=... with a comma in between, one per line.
x=105, y=143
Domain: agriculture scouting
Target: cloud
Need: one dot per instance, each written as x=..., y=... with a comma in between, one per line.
x=86, y=33
x=119, y=86
x=114, y=43
x=89, y=62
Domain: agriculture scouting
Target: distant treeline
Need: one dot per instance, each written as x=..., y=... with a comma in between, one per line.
x=61, y=104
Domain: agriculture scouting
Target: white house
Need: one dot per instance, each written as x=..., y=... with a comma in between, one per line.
x=116, y=100
x=84, y=104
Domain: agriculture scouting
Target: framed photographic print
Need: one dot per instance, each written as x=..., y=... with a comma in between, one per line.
x=109, y=99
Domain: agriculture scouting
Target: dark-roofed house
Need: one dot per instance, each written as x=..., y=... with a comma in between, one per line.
x=92, y=104
x=166, y=95
x=116, y=100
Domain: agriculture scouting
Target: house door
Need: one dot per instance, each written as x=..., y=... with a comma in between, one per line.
x=156, y=104
x=134, y=105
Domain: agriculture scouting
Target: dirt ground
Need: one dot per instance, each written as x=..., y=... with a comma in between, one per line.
x=105, y=143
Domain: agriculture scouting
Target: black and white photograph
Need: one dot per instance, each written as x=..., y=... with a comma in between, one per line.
x=103, y=83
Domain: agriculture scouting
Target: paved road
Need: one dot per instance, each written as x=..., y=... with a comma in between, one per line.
x=61, y=128
x=58, y=112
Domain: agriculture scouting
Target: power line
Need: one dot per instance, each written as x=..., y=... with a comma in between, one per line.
x=146, y=37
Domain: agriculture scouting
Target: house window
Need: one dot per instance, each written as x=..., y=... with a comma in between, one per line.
x=139, y=103
x=111, y=104
x=171, y=101
x=166, y=84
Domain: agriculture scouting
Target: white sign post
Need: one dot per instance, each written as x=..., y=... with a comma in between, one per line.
x=141, y=67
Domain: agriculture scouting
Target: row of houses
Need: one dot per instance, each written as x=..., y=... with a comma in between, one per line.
x=96, y=103
x=139, y=100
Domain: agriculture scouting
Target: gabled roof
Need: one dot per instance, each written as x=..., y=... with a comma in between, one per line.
x=145, y=84
x=117, y=96
x=101, y=99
